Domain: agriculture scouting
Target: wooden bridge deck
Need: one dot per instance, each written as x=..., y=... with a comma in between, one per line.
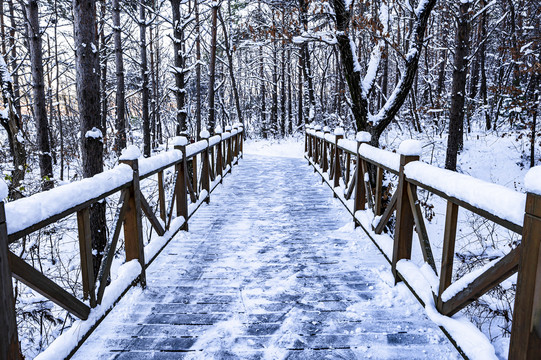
x=270, y=269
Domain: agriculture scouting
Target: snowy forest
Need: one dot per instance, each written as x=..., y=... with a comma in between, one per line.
x=82, y=80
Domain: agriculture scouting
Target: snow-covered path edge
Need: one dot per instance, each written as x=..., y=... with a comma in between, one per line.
x=463, y=334
x=66, y=344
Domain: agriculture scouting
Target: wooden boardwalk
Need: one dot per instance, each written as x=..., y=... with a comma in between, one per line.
x=270, y=269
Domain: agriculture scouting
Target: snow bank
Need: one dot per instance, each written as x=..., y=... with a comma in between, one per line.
x=470, y=339
x=148, y=165
x=26, y=212
x=496, y=199
x=386, y=158
x=3, y=190
x=532, y=181
x=411, y=148
x=132, y=152
x=65, y=343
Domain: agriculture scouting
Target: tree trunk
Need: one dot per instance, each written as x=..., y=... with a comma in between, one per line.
x=456, y=111
x=120, y=88
x=38, y=85
x=234, y=85
x=144, y=75
x=198, y=70
x=178, y=48
x=212, y=69
x=88, y=98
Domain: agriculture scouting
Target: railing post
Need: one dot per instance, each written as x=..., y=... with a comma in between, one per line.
x=161, y=197
x=229, y=158
x=219, y=155
x=85, y=253
x=339, y=133
x=133, y=227
x=9, y=340
x=317, y=149
x=181, y=187
x=308, y=140
x=241, y=139
x=325, y=162
x=526, y=328
x=205, y=171
x=360, y=191
x=403, y=234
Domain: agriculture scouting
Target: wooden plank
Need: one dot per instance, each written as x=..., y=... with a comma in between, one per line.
x=403, y=234
x=133, y=227
x=360, y=196
x=420, y=227
x=449, y=237
x=219, y=161
x=161, y=197
x=46, y=287
x=151, y=216
x=111, y=246
x=505, y=223
x=504, y=268
x=205, y=174
x=54, y=218
x=193, y=196
x=367, y=186
x=348, y=167
x=85, y=251
x=351, y=186
x=181, y=191
x=379, y=191
x=9, y=341
x=526, y=328
x=391, y=206
x=194, y=183
x=337, y=168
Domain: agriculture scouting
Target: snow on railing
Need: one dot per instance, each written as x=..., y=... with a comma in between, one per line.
x=496, y=199
x=27, y=212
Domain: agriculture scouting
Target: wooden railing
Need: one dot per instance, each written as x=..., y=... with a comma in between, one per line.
x=198, y=169
x=345, y=166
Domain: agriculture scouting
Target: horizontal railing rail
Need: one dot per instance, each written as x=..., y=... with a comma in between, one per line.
x=198, y=169
x=345, y=166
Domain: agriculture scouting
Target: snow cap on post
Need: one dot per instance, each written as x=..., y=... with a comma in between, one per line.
x=532, y=180
x=204, y=134
x=339, y=131
x=309, y=126
x=363, y=136
x=132, y=152
x=228, y=128
x=179, y=141
x=218, y=130
x=327, y=129
x=3, y=190
x=411, y=148
x=317, y=127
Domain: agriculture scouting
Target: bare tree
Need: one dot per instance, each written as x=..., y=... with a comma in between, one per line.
x=38, y=85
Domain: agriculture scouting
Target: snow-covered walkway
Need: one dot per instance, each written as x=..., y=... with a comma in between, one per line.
x=271, y=269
